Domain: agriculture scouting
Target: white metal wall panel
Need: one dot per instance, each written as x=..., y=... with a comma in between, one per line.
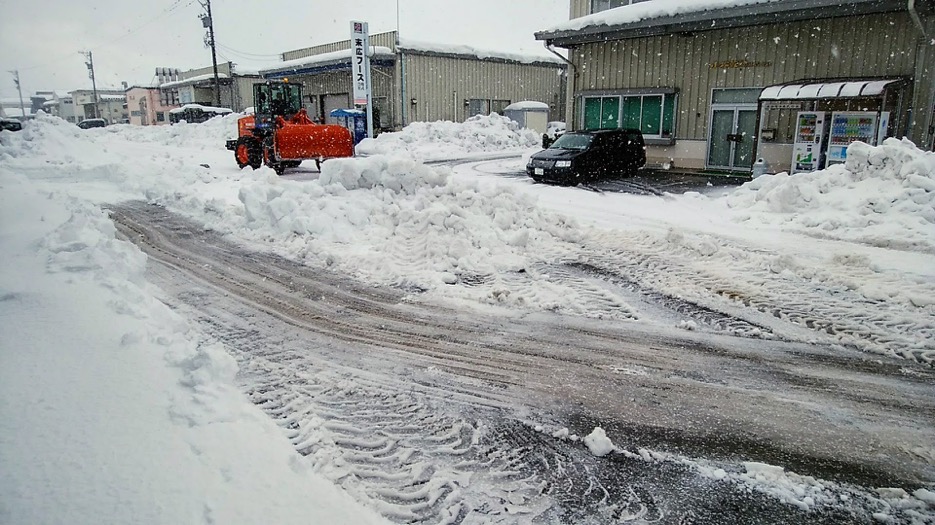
x=441, y=84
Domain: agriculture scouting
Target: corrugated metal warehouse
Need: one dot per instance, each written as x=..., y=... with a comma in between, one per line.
x=718, y=88
x=414, y=81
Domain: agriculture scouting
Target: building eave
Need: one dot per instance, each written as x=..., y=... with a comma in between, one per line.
x=541, y=62
x=739, y=16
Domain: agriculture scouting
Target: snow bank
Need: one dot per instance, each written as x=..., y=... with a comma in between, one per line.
x=450, y=140
x=211, y=134
x=112, y=407
x=883, y=196
x=397, y=222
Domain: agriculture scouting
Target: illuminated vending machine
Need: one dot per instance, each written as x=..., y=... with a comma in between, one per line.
x=847, y=127
x=811, y=133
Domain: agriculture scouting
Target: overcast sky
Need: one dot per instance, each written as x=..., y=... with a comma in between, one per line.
x=129, y=39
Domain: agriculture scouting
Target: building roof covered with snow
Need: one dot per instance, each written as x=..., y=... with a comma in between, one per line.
x=655, y=17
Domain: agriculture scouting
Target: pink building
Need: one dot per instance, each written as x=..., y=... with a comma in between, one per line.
x=148, y=106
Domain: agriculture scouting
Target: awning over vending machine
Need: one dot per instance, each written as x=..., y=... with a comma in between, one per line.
x=851, y=88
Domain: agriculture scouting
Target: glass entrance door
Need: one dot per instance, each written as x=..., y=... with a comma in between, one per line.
x=745, y=130
x=730, y=144
x=720, y=154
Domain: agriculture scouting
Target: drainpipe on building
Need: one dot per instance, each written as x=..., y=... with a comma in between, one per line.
x=927, y=112
x=911, y=7
x=570, y=85
x=402, y=86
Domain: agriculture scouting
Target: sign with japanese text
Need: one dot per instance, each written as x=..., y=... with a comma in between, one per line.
x=360, y=62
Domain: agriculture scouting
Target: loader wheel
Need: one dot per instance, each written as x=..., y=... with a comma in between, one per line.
x=247, y=153
x=278, y=167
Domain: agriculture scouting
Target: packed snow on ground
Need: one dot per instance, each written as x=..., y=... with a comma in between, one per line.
x=113, y=406
x=426, y=141
x=598, y=442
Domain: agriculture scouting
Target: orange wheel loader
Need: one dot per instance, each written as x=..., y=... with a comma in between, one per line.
x=280, y=134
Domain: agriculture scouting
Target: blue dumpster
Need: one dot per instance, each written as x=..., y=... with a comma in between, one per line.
x=354, y=120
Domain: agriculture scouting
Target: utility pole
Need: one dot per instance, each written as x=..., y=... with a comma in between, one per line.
x=22, y=107
x=208, y=22
x=90, y=64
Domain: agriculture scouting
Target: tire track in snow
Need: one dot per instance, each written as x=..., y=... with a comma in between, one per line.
x=293, y=327
x=825, y=309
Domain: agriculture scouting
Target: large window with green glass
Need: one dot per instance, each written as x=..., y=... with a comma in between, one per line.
x=653, y=113
x=601, y=112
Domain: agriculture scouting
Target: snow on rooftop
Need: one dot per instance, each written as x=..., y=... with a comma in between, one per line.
x=201, y=107
x=191, y=80
x=413, y=45
x=324, y=58
x=17, y=112
x=651, y=9
x=526, y=104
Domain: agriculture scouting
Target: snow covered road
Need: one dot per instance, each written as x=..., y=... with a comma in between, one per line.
x=450, y=343
x=435, y=414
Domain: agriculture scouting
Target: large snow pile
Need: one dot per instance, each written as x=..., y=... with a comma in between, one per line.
x=72, y=142
x=883, y=195
x=388, y=220
x=448, y=140
x=209, y=134
x=398, y=222
x=113, y=408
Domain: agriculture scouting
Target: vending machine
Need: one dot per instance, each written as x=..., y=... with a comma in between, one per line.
x=811, y=134
x=847, y=127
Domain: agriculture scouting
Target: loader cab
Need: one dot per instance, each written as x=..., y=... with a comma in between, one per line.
x=276, y=99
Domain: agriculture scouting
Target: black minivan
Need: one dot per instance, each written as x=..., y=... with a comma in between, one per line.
x=586, y=156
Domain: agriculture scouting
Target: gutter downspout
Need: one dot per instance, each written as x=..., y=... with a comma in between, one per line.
x=572, y=81
x=402, y=87
x=927, y=131
x=911, y=7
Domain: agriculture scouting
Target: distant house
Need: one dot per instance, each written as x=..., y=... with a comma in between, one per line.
x=56, y=103
x=715, y=85
x=11, y=108
x=146, y=106
x=197, y=86
x=110, y=105
x=417, y=81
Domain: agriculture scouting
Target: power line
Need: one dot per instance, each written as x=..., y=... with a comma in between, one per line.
x=246, y=54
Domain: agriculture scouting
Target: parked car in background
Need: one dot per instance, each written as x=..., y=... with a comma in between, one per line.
x=10, y=124
x=553, y=131
x=196, y=113
x=586, y=156
x=92, y=123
